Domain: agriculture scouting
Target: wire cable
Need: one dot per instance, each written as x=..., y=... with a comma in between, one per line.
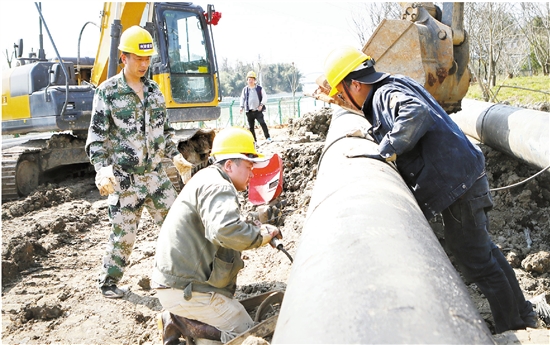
x=520, y=183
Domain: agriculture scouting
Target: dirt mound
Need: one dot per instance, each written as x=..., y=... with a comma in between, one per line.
x=53, y=242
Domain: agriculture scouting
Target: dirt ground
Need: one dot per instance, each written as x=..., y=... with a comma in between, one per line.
x=53, y=240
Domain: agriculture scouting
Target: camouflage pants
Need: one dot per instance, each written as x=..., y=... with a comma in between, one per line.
x=153, y=191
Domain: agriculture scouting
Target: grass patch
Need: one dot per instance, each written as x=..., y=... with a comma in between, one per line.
x=519, y=90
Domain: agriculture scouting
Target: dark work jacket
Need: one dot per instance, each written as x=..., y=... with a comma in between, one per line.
x=434, y=157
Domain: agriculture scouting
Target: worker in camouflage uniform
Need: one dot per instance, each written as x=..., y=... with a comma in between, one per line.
x=129, y=135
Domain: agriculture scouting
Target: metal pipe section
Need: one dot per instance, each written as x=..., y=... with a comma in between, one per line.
x=369, y=268
x=519, y=132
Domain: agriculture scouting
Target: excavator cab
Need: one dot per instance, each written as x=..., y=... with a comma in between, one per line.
x=189, y=68
x=186, y=68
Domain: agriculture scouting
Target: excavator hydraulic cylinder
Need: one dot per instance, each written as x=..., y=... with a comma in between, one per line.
x=369, y=269
x=518, y=132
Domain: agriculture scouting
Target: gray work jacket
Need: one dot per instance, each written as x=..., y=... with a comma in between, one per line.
x=199, y=244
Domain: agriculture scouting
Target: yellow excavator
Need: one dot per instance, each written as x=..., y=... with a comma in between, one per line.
x=47, y=103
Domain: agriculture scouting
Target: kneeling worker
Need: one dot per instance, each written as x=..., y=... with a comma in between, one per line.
x=198, y=253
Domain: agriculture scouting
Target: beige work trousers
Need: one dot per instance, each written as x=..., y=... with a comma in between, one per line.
x=226, y=314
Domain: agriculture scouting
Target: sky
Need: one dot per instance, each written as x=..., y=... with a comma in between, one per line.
x=301, y=31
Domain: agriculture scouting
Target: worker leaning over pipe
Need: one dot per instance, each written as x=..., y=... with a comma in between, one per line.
x=198, y=253
x=443, y=169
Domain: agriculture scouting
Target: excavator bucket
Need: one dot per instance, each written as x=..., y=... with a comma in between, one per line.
x=431, y=52
x=267, y=183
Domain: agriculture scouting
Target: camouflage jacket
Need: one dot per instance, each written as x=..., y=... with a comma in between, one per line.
x=127, y=133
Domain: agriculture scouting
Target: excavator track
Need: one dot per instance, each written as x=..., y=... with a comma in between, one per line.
x=25, y=164
x=20, y=172
x=9, y=188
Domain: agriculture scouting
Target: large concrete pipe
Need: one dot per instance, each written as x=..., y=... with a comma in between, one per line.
x=369, y=268
x=519, y=132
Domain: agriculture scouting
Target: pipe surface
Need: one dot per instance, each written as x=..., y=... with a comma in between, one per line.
x=519, y=132
x=369, y=268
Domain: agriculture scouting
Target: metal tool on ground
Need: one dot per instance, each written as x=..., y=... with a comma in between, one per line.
x=277, y=243
x=263, y=308
x=266, y=308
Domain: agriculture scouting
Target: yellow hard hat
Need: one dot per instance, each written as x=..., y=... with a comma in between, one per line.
x=235, y=142
x=136, y=40
x=251, y=74
x=342, y=61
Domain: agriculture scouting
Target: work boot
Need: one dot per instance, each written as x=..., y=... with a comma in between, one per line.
x=111, y=291
x=169, y=332
x=195, y=329
x=531, y=320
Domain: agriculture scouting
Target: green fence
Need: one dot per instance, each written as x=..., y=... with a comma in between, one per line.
x=278, y=111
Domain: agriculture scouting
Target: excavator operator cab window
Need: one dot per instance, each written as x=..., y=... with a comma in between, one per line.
x=191, y=77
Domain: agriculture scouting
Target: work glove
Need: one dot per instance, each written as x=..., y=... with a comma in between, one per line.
x=183, y=167
x=269, y=214
x=359, y=151
x=268, y=232
x=358, y=133
x=105, y=180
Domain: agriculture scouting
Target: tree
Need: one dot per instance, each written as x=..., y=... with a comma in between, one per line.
x=534, y=23
x=489, y=37
x=9, y=58
x=293, y=82
x=233, y=77
x=371, y=15
x=275, y=77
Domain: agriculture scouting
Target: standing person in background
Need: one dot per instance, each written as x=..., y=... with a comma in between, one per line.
x=253, y=99
x=410, y=128
x=129, y=135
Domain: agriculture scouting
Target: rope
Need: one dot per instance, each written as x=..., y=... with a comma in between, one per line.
x=333, y=142
x=326, y=149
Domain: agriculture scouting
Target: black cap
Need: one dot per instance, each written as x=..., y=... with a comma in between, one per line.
x=366, y=73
